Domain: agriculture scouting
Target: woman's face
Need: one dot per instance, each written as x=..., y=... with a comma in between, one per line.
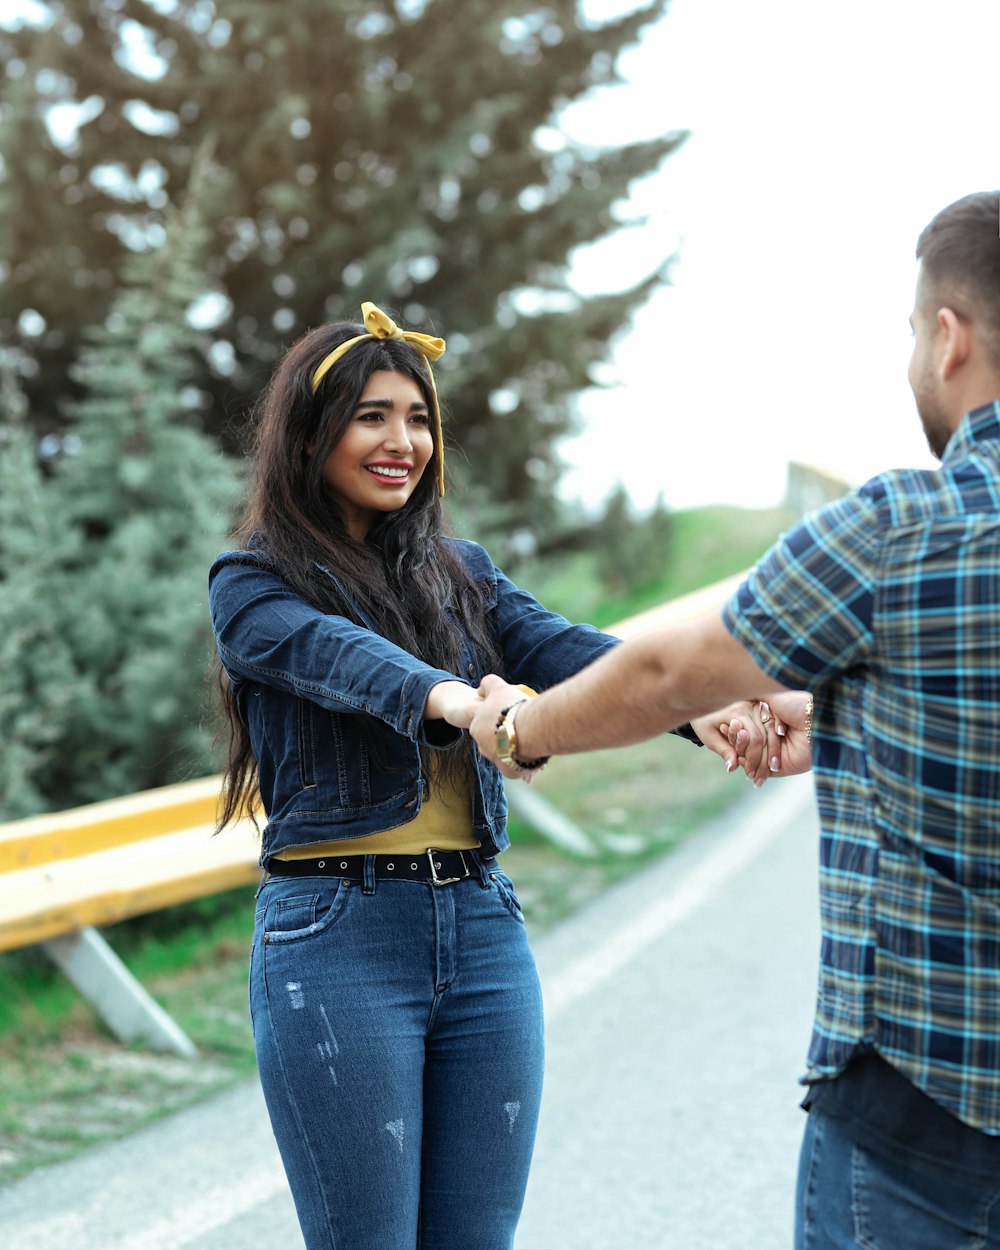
x=380, y=459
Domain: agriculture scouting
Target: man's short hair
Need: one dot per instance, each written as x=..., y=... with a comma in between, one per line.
x=960, y=253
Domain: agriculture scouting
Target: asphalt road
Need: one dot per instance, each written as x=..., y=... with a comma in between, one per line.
x=678, y=1014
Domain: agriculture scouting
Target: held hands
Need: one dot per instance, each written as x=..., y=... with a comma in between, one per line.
x=495, y=694
x=745, y=735
x=765, y=737
x=794, y=708
x=478, y=711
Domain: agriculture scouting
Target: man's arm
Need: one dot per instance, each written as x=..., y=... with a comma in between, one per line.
x=645, y=687
x=826, y=566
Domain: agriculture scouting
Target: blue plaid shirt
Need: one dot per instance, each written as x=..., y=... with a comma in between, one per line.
x=886, y=604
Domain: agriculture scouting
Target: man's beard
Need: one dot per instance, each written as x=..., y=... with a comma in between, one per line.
x=937, y=429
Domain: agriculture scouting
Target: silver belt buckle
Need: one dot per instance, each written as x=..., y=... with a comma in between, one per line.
x=431, y=852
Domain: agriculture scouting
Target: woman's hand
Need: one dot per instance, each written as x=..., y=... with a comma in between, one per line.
x=453, y=701
x=794, y=707
x=746, y=735
x=787, y=715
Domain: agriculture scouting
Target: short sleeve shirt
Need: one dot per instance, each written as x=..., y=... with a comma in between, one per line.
x=886, y=605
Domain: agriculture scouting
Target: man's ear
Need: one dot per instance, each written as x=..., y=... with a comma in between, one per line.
x=956, y=342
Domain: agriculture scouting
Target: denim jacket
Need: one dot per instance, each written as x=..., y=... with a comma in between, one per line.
x=303, y=679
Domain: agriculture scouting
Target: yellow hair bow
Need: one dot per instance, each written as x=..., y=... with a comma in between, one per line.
x=379, y=325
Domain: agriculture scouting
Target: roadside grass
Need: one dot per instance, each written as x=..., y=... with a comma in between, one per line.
x=68, y=1085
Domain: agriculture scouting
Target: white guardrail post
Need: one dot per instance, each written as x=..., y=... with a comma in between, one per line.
x=129, y=1011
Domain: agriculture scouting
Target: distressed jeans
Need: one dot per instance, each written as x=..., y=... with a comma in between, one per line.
x=850, y=1197
x=400, y=1048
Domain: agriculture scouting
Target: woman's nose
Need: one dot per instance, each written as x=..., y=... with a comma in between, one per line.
x=397, y=435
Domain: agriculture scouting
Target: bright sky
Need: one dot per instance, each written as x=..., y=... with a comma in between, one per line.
x=824, y=137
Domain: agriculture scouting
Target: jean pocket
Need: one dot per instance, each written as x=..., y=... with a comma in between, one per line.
x=895, y=1205
x=250, y=984
x=505, y=888
x=301, y=916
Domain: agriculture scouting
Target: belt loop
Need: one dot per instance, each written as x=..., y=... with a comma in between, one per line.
x=369, y=875
x=484, y=876
x=263, y=882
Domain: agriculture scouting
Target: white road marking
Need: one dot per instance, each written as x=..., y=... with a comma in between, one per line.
x=207, y=1211
x=193, y=1217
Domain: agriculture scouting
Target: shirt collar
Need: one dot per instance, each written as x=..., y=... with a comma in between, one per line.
x=978, y=426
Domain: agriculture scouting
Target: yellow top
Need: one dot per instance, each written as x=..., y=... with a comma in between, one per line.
x=444, y=822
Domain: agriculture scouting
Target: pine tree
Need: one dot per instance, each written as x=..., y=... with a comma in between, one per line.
x=40, y=681
x=388, y=150
x=611, y=541
x=149, y=498
x=58, y=257
x=632, y=552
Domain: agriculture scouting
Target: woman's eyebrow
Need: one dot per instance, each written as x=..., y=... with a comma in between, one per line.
x=389, y=403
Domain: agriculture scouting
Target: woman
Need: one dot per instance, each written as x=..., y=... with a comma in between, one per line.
x=394, y=999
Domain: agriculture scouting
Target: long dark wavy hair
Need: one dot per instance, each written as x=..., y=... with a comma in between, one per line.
x=402, y=578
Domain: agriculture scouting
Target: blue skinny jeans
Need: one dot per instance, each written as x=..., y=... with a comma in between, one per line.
x=400, y=1046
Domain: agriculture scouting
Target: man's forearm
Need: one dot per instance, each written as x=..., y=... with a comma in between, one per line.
x=643, y=688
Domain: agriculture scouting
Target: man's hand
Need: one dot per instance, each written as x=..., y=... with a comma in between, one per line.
x=494, y=695
x=783, y=715
x=745, y=735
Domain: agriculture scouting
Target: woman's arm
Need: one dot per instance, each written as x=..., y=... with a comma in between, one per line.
x=268, y=634
x=541, y=648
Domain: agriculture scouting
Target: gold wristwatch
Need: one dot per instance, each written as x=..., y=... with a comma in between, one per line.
x=507, y=741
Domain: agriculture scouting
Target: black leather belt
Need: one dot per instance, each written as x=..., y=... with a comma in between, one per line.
x=439, y=867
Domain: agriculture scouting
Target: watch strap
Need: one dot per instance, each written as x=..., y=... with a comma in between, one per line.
x=506, y=739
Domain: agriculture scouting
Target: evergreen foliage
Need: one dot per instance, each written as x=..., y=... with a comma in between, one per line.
x=39, y=679
x=395, y=150
x=632, y=552
x=103, y=562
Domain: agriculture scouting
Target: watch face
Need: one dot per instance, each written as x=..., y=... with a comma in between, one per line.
x=505, y=743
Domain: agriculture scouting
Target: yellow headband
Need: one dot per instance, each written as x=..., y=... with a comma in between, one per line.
x=380, y=326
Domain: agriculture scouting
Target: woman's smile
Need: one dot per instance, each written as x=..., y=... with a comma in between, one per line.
x=390, y=473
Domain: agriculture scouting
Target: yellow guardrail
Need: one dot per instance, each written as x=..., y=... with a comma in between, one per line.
x=107, y=861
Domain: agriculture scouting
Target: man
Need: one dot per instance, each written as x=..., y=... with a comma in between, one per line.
x=886, y=605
